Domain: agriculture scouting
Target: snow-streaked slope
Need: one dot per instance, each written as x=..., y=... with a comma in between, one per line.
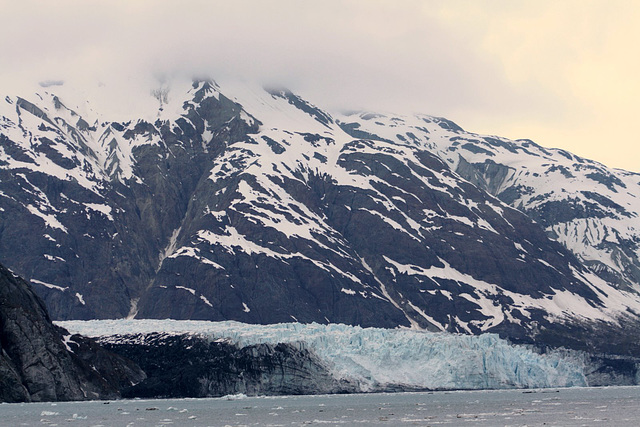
x=76, y=190
x=373, y=357
x=85, y=131
x=323, y=152
x=591, y=209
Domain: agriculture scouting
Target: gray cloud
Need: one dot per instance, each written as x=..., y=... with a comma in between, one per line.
x=493, y=66
x=350, y=54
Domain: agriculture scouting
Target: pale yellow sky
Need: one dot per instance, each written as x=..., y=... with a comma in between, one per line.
x=583, y=54
x=563, y=73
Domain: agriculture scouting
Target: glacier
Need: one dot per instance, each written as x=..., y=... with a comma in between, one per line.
x=376, y=358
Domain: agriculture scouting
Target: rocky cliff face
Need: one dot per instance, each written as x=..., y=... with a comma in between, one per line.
x=240, y=203
x=43, y=362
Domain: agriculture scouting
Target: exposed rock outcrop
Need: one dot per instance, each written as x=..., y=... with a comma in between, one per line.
x=42, y=362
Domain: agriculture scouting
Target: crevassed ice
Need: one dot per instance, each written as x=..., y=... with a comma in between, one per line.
x=374, y=357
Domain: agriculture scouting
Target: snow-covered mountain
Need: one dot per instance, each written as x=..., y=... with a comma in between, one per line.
x=232, y=202
x=589, y=208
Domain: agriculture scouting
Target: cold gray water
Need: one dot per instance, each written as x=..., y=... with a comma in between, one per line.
x=615, y=406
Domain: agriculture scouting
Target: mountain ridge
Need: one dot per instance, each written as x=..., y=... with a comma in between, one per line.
x=238, y=203
x=521, y=173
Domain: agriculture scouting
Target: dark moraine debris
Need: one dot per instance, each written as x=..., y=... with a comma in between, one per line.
x=194, y=366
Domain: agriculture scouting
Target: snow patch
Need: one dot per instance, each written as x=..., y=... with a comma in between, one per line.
x=190, y=290
x=80, y=298
x=50, y=220
x=206, y=301
x=103, y=209
x=49, y=285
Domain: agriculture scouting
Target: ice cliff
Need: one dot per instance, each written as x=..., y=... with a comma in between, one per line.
x=374, y=358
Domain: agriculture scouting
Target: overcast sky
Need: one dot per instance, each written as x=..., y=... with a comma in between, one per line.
x=563, y=73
